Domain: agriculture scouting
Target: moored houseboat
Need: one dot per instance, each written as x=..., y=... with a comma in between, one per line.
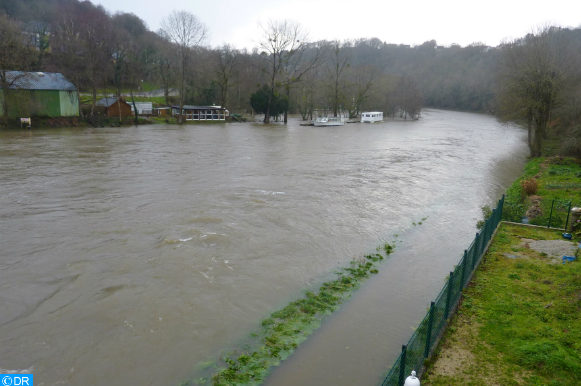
x=325, y=119
x=371, y=116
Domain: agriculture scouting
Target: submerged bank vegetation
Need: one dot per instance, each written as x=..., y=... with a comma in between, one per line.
x=281, y=333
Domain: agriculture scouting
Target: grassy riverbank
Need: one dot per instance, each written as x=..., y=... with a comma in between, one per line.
x=546, y=182
x=519, y=321
x=520, y=318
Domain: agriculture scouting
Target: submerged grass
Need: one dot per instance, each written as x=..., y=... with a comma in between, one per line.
x=519, y=321
x=282, y=332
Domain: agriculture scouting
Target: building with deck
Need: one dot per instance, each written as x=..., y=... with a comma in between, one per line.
x=201, y=113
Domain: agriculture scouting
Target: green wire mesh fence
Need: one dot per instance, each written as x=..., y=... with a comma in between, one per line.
x=426, y=336
x=559, y=213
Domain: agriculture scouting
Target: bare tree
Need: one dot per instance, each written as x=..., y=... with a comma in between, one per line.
x=362, y=79
x=163, y=69
x=282, y=40
x=186, y=32
x=531, y=82
x=132, y=56
x=14, y=55
x=297, y=66
x=227, y=59
x=82, y=46
x=306, y=96
x=408, y=97
x=338, y=64
x=247, y=75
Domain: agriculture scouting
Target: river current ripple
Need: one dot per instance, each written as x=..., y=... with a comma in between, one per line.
x=129, y=255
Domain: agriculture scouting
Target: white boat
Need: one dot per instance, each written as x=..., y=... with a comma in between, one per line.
x=372, y=116
x=327, y=120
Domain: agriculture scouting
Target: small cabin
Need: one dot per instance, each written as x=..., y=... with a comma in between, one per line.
x=162, y=111
x=201, y=113
x=39, y=94
x=115, y=107
x=143, y=108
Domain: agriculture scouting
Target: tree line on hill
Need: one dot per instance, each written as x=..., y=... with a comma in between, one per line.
x=534, y=80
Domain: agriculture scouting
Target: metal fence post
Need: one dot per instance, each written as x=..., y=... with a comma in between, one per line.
x=568, y=213
x=429, y=333
x=477, y=253
x=449, y=295
x=402, y=365
x=483, y=235
x=551, y=215
x=463, y=270
x=477, y=245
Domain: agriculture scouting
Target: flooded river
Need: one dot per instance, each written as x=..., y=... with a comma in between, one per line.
x=130, y=255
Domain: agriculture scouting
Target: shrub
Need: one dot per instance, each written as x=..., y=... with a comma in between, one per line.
x=486, y=213
x=529, y=186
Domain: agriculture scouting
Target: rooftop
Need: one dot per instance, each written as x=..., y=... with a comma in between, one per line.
x=191, y=107
x=38, y=81
x=108, y=101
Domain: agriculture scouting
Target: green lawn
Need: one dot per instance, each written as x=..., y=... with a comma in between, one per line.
x=558, y=180
x=519, y=322
x=88, y=99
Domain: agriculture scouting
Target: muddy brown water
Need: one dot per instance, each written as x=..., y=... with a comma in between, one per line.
x=130, y=255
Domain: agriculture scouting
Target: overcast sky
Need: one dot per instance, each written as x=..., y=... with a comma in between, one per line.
x=403, y=22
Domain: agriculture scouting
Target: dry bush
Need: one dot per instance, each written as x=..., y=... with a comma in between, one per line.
x=529, y=186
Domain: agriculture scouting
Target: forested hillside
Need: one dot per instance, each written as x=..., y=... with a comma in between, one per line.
x=109, y=53
x=86, y=43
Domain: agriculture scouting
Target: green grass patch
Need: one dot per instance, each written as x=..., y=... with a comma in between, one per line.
x=157, y=101
x=164, y=120
x=282, y=332
x=558, y=181
x=519, y=321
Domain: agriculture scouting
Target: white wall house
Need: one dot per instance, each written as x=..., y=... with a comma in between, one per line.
x=143, y=108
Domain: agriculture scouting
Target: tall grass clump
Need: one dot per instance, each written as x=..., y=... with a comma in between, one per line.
x=529, y=186
x=544, y=180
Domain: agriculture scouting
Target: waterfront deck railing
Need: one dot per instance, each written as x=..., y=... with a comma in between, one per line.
x=431, y=328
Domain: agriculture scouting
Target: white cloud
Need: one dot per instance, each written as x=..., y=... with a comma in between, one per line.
x=406, y=22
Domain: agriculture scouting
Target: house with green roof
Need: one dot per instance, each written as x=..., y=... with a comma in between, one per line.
x=38, y=94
